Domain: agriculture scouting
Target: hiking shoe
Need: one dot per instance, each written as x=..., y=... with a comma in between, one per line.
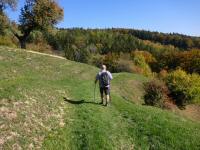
x=109, y=104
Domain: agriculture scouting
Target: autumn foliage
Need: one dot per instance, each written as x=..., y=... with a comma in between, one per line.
x=184, y=88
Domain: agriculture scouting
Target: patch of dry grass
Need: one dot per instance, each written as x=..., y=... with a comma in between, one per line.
x=30, y=106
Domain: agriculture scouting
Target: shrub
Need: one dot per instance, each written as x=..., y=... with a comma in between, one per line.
x=7, y=41
x=185, y=88
x=76, y=54
x=110, y=60
x=96, y=60
x=40, y=47
x=36, y=37
x=190, y=61
x=3, y=22
x=124, y=66
x=147, y=56
x=195, y=89
x=162, y=74
x=156, y=93
x=139, y=61
x=114, y=62
x=123, y=63
x=82, y=55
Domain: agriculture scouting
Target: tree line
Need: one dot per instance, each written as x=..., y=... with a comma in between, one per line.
x=81, y=44
x=178, y=40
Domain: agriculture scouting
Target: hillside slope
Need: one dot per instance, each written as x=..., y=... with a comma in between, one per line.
x=48, y=103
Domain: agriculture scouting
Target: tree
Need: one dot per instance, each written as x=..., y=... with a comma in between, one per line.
x=7, y=3
x=189, y=61
x=3, y=22
x=3, y=18
x=37, y=15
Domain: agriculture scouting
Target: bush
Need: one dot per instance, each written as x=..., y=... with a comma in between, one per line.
x=114, y=62
x=36, y=37
x=185, y=88
x=82, y=55
x=156, y=93
x=110, y=60
x=162, y=74
x=139, y=61
x=124, y=66
x=190, y=61
x=40, y=47
x=195, y=89
x=7, y=41
x=147, y=56
x=75, y=54
x=96, y=60
x=3, y=22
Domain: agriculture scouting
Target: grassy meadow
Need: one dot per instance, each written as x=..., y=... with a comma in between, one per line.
x=48, y=103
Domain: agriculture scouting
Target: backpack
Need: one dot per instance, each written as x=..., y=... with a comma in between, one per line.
x=104, y=78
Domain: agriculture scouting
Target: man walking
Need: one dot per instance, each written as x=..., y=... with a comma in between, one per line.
x=104, y=77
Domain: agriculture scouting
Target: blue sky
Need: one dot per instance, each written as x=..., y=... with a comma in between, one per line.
x=180, y=16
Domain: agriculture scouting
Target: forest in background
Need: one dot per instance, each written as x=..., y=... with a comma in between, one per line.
x=111, y=46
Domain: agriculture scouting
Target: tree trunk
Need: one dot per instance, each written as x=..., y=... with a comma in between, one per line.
x=22, y=43
x=22, y=39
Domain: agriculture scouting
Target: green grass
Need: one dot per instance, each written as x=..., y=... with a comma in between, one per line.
x=33, y=113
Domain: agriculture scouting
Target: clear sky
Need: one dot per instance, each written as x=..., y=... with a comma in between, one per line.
x=180, y=16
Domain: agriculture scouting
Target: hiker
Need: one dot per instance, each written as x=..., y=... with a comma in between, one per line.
x=104, y=78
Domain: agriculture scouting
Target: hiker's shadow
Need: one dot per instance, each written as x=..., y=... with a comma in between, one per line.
x=78, y=102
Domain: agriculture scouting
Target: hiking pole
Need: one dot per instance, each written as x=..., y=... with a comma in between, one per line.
x=110, y=97
x=94, y=91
